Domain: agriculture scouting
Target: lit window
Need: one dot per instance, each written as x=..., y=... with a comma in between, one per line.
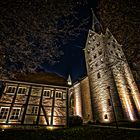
x=47, y=93
x=11, y=89
x=105, y=116
x=58, y=95
x=22, y=90
x=15, y=113
x=98, y=75
x=109, y=102
x=4, y=112
x=34, y=109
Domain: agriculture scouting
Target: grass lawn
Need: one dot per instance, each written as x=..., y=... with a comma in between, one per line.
x=77, y=133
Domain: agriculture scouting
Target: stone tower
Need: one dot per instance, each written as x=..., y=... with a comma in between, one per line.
x=113, y=92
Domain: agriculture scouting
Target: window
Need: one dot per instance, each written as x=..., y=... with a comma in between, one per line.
x=15, y=113
x=98, y=75
x=91, y=67
x=90, y=60
x=4, y=112
x=105, y=116
x=98, y=43
x=22, y=90
x=47, y=93
x=58, y=95
x=96, y=64
x=100, y=52
x=11, y=89
x=89, y=42
x=93, y=48
x=129, y=90
x=34, y=109
x=93, y=38
x=102, y=60
x=88, y=51
x=95, y=56
x=109, y=102
x=114, y=46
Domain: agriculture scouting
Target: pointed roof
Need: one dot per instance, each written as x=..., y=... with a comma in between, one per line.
x=96, y=26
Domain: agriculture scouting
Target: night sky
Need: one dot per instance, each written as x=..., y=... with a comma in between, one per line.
x=73, y=60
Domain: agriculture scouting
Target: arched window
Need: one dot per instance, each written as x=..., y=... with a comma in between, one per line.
x=105, y=116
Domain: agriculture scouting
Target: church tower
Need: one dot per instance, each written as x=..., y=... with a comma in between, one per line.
x=113, y=92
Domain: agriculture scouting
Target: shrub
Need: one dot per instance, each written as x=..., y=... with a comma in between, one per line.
x=75, y=121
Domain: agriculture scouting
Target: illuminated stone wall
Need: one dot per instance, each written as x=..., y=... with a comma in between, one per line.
x=112, y=87
x=82, y=100
x=33, y=104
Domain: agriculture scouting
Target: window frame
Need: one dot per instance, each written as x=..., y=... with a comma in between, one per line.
x=47, y=96
x=25, y=92
x=13, y=88
x=4, y=113
x=34, y=110
x=15, y=114
x=59, y=93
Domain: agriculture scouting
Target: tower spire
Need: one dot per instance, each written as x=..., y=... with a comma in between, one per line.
x=96, y=26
